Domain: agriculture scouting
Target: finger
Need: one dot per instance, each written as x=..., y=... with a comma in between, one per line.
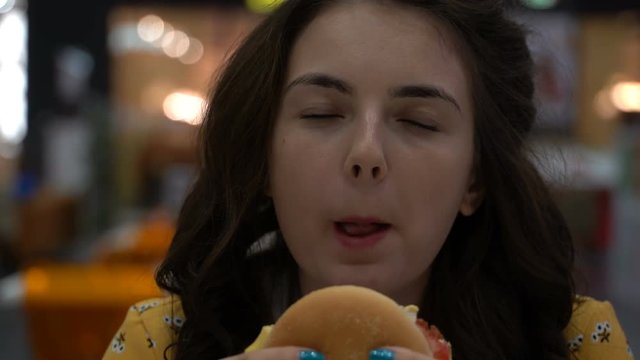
x=397, y=353
x=284, y=353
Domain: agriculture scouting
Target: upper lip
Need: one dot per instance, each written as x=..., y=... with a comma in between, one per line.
x=362, y=220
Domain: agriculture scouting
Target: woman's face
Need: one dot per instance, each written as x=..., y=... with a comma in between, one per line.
x=373, y=148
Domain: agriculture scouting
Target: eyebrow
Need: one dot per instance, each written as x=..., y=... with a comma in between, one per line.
x=424, y=91
x=321, y=80
x=408, y=91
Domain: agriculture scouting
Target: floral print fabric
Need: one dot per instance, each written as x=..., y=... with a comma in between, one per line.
x=150, y=327
x=595, y=333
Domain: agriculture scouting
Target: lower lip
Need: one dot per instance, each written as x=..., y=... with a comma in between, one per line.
x=359, y=242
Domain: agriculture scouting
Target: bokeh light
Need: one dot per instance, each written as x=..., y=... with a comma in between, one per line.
x=13, y=88
x=263, y=6
x=185, y=106
x=625, y=96
x=6, y=6
x=603, y=105
x=540, y=4
x=175, y=43
x=150, y=28
x=167, y=33
x=13, y=37
x=194, y=53
x=13, y=80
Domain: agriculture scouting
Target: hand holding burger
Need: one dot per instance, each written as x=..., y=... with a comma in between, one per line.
x=354, y=323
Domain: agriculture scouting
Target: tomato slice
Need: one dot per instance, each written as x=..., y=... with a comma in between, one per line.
x=441, y=348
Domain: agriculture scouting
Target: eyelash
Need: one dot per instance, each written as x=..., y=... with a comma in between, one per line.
x=419, y=124
x=320, y=116
x=407, y=121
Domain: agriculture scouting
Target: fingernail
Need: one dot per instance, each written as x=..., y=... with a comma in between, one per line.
x=381, y=354
x=311, y=355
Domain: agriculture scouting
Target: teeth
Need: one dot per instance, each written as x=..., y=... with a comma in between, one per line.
x=360, y=229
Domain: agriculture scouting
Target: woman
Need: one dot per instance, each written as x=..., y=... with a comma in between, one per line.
x=377, y=143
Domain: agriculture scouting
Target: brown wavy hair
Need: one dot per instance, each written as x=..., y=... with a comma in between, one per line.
x=501, y=286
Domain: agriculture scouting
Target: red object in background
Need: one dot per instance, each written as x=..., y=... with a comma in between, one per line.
x=604, y=218
x=589, y=215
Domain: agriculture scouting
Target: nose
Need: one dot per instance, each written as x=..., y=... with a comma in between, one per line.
x=366, y=161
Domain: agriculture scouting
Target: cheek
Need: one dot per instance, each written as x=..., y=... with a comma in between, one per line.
x=432, y=195
x=294, y=168
x=301, y=176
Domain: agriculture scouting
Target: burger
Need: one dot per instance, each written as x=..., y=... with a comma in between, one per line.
x=347, y=322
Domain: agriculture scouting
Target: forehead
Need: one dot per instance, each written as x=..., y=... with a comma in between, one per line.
x=375, y=43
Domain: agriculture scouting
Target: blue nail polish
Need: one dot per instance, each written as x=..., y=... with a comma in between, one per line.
x=311, y=355
x=381, y=354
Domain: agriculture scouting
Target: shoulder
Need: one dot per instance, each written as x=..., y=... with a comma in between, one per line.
x=594, y=331
x=149, y=328
x=159, y=315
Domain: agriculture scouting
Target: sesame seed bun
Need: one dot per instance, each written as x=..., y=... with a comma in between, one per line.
x=345, y=323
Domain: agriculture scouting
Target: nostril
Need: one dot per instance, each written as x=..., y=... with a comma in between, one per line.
x=375, y=172
x=356, y=170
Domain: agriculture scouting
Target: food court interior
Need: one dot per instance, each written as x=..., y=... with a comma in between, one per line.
x=100, y=102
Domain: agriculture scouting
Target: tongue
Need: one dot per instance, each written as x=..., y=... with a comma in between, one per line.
x=352, y=229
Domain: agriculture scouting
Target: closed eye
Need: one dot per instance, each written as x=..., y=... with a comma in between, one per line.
x=320, y=116
x=418, y=124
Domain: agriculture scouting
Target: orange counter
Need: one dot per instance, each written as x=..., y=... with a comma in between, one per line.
x=73, y=311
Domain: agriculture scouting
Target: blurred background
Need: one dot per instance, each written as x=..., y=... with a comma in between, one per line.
x=100, y=101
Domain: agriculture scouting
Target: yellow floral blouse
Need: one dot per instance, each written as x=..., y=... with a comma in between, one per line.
x=594, y=332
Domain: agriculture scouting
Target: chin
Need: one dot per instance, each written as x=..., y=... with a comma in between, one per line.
x=369, y=278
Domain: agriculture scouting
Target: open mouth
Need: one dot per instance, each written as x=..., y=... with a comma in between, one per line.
x=356, y=236
x=361, y=229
